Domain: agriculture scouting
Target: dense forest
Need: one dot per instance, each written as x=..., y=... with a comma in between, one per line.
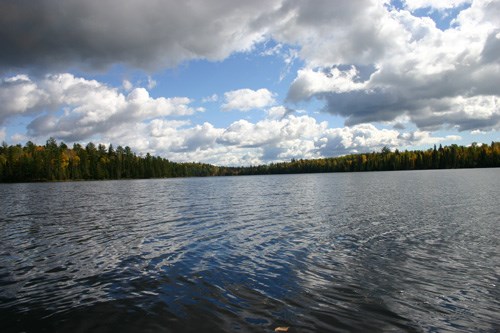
x=53, y=161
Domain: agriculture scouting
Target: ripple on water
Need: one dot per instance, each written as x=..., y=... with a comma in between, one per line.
x=412, y=251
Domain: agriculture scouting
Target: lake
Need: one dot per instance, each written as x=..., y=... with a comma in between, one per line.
x=410, y=251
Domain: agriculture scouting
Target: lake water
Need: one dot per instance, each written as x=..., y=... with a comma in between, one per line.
x=347, y=252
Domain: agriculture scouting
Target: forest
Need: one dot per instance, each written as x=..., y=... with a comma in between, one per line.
x=58, y=162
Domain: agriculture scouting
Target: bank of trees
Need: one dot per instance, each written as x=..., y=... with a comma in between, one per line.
x=56, y=161
x=448, y=157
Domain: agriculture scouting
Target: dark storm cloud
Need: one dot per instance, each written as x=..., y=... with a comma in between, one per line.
x=157, y=33
x=144, y=34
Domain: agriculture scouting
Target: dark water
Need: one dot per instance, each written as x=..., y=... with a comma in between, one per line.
x=377, y=252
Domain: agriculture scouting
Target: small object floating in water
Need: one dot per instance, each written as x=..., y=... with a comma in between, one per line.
x=281, y=329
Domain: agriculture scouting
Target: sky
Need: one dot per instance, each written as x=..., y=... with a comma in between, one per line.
x=237, y=82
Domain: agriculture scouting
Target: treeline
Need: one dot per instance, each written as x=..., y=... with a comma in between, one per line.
x=448, y=157
x=53, y=161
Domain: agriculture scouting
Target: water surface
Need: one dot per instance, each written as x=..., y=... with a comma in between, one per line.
x=411, y=251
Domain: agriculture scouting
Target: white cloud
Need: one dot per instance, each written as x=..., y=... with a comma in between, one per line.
x=270, y=132
x=273, y=51
x=310, y=82
x=241, y=143
x=18, y=95
x=210, y=99
x=287, y=53
x=363, y=137
x=379, y=62
x=437, y=4
x=366, y=60
x=242, y=133
x=277, y=112
x=465, y=113
x=367, y=138
x=247, y=143
x=435, y=78
x=151, y=83
x=247, y=99
x=362, y=34
x=423, y=138
x=174, y=136
x=127, y=85
x=76, y=109
x=141, y=105
x=19, y=137
x=89, y=107
x=478, y=132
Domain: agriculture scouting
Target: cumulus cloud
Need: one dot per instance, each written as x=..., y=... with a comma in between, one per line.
x=18, y=95
x=368, y=61
x=175, y=136
x=210, y=99
x=436, y=78
x=151, y=83
x=440, y=4
x=415, y=67
x=268, y=140
x=422, y=138
x=277, y=112
x=242, y=142
x=269, y=132
x=127, y=85
x=310, y=82
x=349, y=32
x=368, y=138
x=247, y=99
x=74, y=108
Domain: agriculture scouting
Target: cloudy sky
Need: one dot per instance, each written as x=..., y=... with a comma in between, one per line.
x=238, y=82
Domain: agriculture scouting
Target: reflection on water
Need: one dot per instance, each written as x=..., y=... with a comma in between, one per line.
x=395, y=251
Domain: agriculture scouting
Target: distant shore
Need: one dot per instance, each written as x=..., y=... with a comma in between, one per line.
x=58, y=162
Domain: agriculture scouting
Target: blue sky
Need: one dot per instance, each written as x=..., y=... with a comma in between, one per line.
x=240, y=83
